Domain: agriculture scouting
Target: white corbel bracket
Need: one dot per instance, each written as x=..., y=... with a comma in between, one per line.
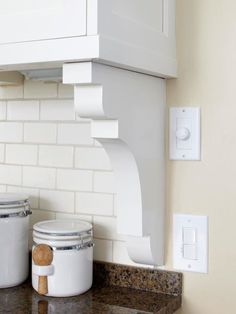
x=127, y=112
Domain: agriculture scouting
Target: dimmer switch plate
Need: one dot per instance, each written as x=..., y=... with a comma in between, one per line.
x=184, y=133
x=190, y=243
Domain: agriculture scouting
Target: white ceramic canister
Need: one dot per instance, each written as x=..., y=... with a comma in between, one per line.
x=71, y=270
x=14, y=225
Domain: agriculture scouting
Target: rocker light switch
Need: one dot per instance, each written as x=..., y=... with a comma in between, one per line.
x=184, y=133
x=189, y=235
x=190, y=243
x=190, y=252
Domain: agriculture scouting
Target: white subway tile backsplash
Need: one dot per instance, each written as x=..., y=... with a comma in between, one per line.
x=97, y=143
x=56, y=156
x=75, y=180
x=120, y=253
x=92, y=158
x=11, y=132
x=40, y=215
x=10, y=174
x=72, y=216
x=102, y=250
x=39, y=177
x=40, y=133
x=104, y=182
x=80, y=119
x=115, y=205
x=75, y=134
x=3, y=188
x=65, y=91
x=21, y=154
x=3, y=110
x=57, y=110
x=23, y=110
x=106, y=228
x=38, y=89
x=65, y=172
x=121, y=256
x=11, y=92
x=2, y=152
x=57, y=201
x=32, y=193
x=94, y=203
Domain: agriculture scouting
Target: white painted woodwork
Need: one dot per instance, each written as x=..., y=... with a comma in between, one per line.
x=132, y=34
x=29, y=20
x=127, y=112
x=106, y=49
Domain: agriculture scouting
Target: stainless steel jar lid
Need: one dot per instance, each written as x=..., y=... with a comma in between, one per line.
x=12, y=205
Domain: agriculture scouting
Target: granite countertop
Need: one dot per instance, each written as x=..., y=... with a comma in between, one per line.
x=117, y=290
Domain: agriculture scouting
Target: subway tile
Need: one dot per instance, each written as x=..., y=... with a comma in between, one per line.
x=120, y=253
x=39, y=177
x=92, y=158
x=94, y=203
x=65, y=91
x=97, y=143
x=37, y=89
x=21, y=154
x=23, y=110
x=102, y=250
x=40, y=215
x=76, y=180
x=2, y=152
x=80, y=119
x=104, y=182
x=115, y=205
x=32, y=193
x=75, y=134
x=3, y=110
x=57, y=110
x=11, y=92
x=121, y=256
x=106, y=228
x=40, y=133
x=3, y=188
x=56, y=156
x=74, y=217
x=10, y=174
x=58, y=201
x=11, y=132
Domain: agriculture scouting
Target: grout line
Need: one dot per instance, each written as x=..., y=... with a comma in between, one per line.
x=55, y=190
x=35, y=165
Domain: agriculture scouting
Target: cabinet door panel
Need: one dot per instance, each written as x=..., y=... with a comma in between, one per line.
x=28, y=20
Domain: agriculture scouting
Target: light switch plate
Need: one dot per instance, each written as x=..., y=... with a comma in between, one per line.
x=190, y=243
x=184, y=133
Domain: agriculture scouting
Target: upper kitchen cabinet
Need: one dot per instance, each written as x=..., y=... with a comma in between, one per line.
x=29, y=20
x=133, y=34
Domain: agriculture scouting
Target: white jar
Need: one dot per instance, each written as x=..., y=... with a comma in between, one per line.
x=71, y=270
x=14, y=221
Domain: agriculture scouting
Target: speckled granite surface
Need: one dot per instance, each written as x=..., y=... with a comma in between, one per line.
x=146, y=279
x=116, y=290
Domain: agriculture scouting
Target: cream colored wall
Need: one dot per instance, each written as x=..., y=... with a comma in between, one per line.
x=206, y=44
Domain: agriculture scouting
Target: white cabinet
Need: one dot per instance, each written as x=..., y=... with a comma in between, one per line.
x=96, y=42
x=30, y=20
x=132, y=34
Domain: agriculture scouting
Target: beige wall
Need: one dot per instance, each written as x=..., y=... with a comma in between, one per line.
x=206, y=47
